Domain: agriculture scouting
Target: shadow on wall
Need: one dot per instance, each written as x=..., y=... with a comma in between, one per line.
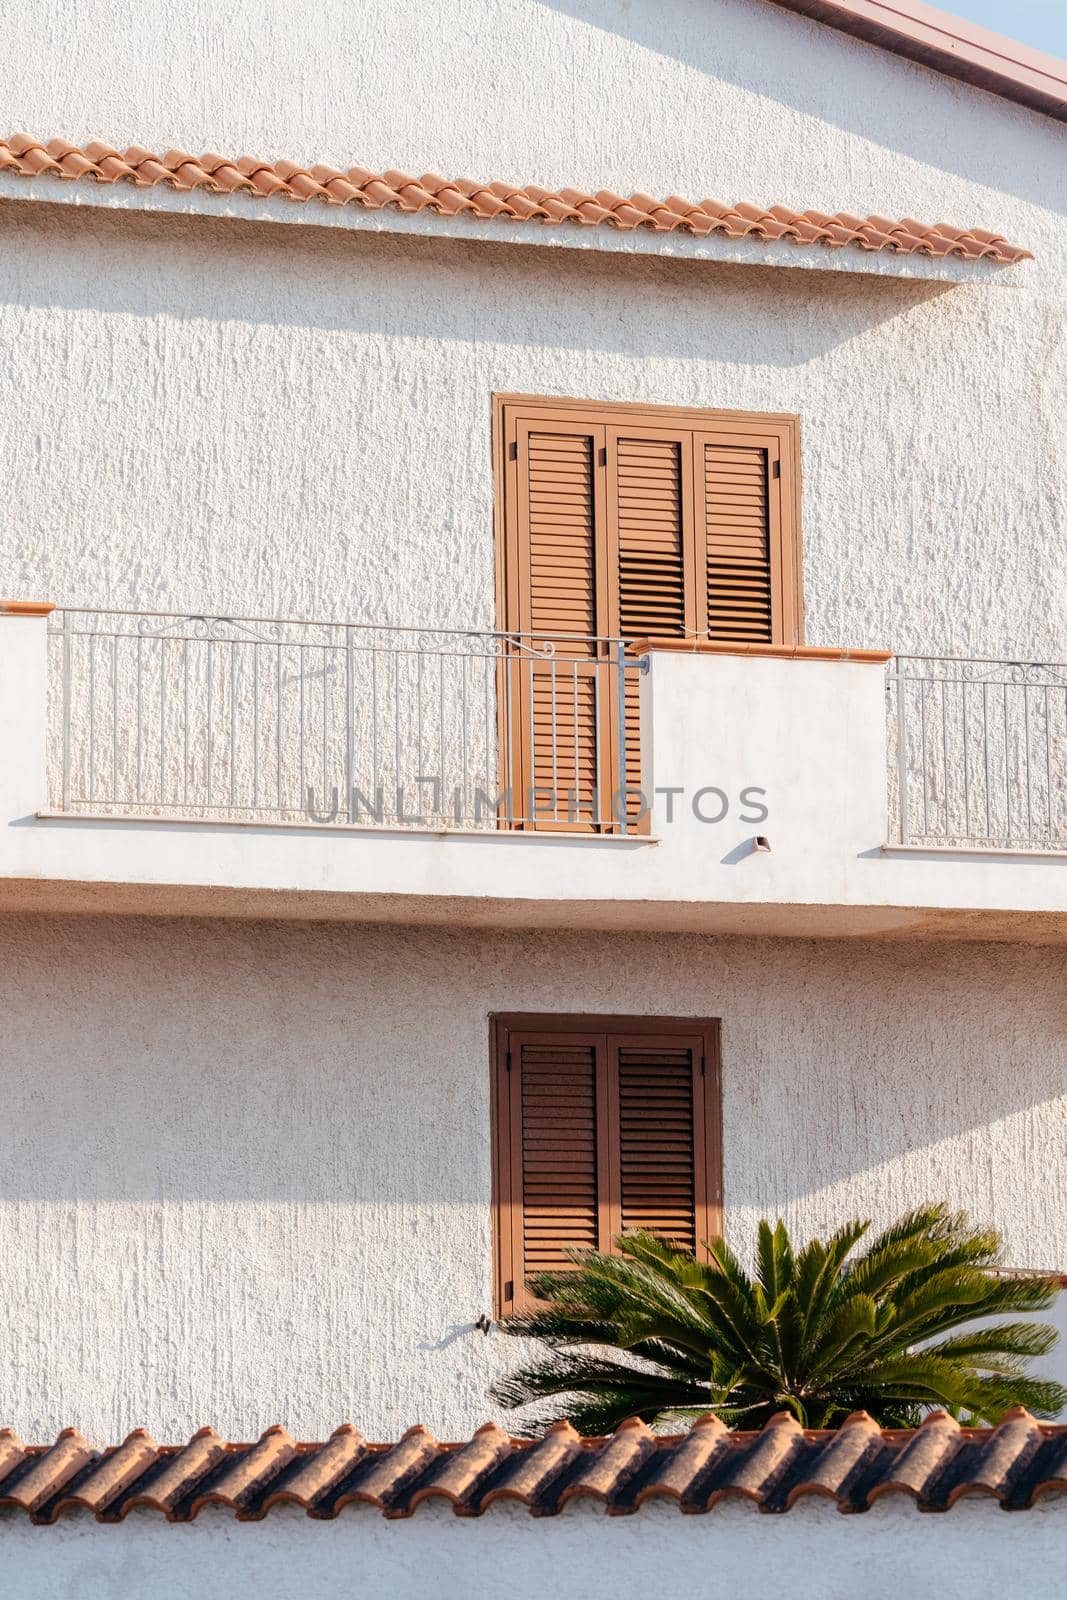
x=332, y=1063
x=822, y=73
x=221, y=272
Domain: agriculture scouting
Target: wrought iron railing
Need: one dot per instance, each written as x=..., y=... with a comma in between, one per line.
x=978, y=753
x=261, y=720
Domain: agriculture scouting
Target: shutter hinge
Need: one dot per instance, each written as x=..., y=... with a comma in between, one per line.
x=513, y=450
x=703, y=1066
x=509, y=1289
x=507, y=1061
x=602, y=456
x=776, y=469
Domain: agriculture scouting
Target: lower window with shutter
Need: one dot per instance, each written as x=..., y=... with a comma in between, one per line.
x=600, y=1125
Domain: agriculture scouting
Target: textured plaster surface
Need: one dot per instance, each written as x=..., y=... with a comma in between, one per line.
x=245, y=1167
x=976, y=1552
x=212, y=415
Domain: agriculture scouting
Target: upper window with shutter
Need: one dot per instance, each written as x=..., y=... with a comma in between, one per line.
x=601, y=1124
x=629, y=521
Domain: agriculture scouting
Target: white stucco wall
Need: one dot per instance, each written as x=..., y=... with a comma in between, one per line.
x=244, y=1168
x=288, y=421
x=976, y=1552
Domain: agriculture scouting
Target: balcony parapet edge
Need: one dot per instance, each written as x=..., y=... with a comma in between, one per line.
x=26, y=608
x=778, y=652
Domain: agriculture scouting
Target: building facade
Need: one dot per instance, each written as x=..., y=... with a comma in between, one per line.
x=324, y=481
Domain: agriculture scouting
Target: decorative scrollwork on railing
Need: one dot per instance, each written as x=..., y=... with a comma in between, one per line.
x=946, y=669
x=217, y=629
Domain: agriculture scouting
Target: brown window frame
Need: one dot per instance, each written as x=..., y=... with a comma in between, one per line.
x=509, y=1295
x=786, y=540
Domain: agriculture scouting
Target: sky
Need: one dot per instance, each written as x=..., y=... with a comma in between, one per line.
x=1040, y=23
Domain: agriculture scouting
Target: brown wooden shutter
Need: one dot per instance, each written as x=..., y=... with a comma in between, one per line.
x=734, y=509
x=597, y=1129
x=633, y=522
x=658, y=1137
x=649, y=523
x=560, y=529
x=558, y=1126
x=561, y=730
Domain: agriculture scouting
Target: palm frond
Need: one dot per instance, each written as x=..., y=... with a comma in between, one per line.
x=820, y=1332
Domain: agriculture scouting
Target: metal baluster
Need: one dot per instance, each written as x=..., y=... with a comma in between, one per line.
x=210, y=672
x=396, y=730
x=1048, y=762
x=162, y=719
x=966, y=760
x=491, y=723
x=233, y=722
x=114, y=718
x=1026, y=738
x=375, y=776
x=944, y=754
x=140, y=712
x=509, y=755
x=442, y=659
x=577, y=746
x=464, y=689
x=598, y=747
x=278, y=727
x=533, y=741
x=902, y=754
x=350, y=725
x=90, y=794
x=325, y=727
x=185, y=723
x=255, y=727
x=68, y=651
x=553, y=671
x=303, y=770
x=1007, y=768
x=925, y=765
x=620, y=689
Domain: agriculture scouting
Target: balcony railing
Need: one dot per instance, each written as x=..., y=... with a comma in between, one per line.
x=250, y=719
x=258, y=720
x=978, y=754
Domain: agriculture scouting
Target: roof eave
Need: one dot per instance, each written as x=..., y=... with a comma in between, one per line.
x=949, y=45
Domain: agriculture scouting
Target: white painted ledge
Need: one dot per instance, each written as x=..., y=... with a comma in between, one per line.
x=353, y=218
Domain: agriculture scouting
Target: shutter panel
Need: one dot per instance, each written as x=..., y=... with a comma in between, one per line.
x=559, y=1188
x=734, y=522
x=562, y=727
x=657, y=1156
x=649, y=522
x=649, y=474
x=561, y=536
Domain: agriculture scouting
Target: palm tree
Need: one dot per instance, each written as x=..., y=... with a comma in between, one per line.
x=820, y=1332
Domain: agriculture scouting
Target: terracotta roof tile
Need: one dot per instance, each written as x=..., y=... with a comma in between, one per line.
x=215, y=174
x=854, y=1465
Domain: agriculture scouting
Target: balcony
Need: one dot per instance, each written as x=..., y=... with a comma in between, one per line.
x=222, y=766
x=253, y=720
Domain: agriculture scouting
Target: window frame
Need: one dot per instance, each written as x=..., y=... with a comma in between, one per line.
x=509, y=1296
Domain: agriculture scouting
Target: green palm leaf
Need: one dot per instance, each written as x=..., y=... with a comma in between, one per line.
x=822, y=1331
